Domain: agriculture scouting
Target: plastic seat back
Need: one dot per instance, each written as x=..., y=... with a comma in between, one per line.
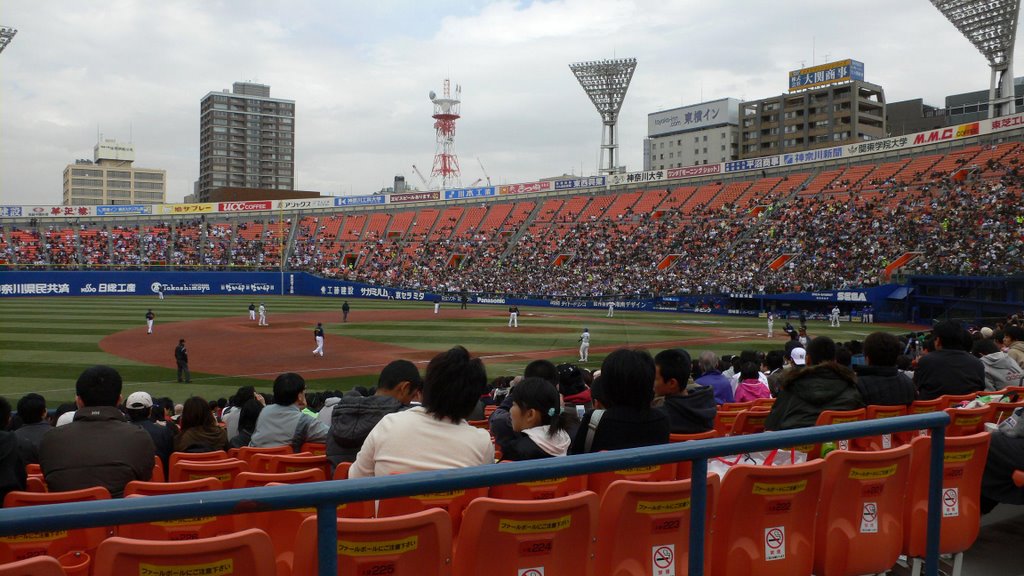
x=249, y=552
x=159, y=474
x=963, y=464
x=36, y=566
x=453, y=502
x=724, y=420
x=968, y=421
x=35, y=483
x=224, y=470
x=540, y=489
x=247, y=452
x=182, y=528
x=1000, y=410
x=860, y=515
x=56, y=542
x=514, y=537
x=736, y=406
x=341, y=471
x=955, y=400
x=418, y=543
x=600, y=481
x=315, y=448
x=295, y=462
x=749, y=422
x=253, y=479
x=926, y=406
x=764, y=403
x=883, y=441
x=196, y=456
x=644, y=527
x=696, y=436
x=764, y=521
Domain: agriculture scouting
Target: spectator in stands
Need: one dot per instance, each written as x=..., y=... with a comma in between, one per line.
x=138, y=407
x=32, y=410
x=199, y=430
x=1000, y=370
x=738, y=361
x=720, y=385
x=98, y=448
x=230, y=414
x=573, y=387
x=539, y=426
x=1005, y=455
x=880, y=381
x=284, y=421
x=773, y=366
x=1013, y=339
x=353, y=417
x=690, y=408
x=750, y=386
x=624, y=417
x=950, y=369
x=12, y=467
x=807, y=392
x=500, y=421
x=433, y=436
x=248, y=414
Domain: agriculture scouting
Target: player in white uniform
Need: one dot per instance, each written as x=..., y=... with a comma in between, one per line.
x=585, y=345
x=252, y=311
x=611, y=310
x=833, y=319
x=318, y=335
x=160, y=290
x=771, y=324
x=513, y=316
x=263, y=315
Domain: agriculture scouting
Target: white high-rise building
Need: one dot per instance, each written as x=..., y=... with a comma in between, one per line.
x=110, y=178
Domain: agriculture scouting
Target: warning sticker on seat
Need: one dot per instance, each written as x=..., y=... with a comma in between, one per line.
x=219, y=568
x=379, y=548
x=869, y=518
x=775, y=543
x=950, y=502
x=663, y=560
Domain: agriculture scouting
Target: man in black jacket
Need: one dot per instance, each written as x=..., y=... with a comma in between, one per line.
x=690, y=409
x=181, y=358
x=354, y=417
x=950, y=369
x=807, y=392
x=880, y=382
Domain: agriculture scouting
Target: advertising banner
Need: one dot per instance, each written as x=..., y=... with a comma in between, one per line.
x=360, y=200
x=636, y=177
x=823, y=74
x=414, y=197
x=124, y=209
x=576, y=183
x=188, y=208
x=469, y=193
x=695, y=117
x=246, y=206
x=11, y=211
x=951, y=133
x=137, y=283
x=305, y=203
x=691, y=171
x=812, y=155
x=753, y=164
x=1006, y=123
x=527, y=188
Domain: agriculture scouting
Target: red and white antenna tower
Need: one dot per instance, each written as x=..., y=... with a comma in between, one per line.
x=446, y=112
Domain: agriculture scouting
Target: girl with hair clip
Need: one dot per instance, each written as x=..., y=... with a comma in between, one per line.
x=539, y=426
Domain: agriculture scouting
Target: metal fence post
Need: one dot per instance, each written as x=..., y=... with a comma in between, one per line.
x=327, y=539
x=698, y=509
x=935, y=474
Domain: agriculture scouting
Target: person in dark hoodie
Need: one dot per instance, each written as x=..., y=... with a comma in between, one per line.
x=880, y=381
x=821, y=385
x=246, y=419
x=950, y=369
x=624, y=418
x=12, y=467
x=690, y=408
x=354, y=417
x=539, y=426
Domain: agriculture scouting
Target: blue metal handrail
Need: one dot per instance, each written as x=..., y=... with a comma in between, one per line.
x=326, y=496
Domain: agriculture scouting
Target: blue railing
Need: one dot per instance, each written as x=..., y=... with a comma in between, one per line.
x=326, y=496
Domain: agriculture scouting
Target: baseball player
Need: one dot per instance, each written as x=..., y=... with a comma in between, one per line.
x=344, y=311
x=771, y=324
x=318, y=335
x=833, y=318
x=149, y=321
x=263, y=315
x=160, y=290
x=513, y=316
x=252, y=311
x=611, y=310
x=437, y=305
x=585, y=345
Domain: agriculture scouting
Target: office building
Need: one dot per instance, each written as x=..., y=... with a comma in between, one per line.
x=110, y=178
x=246, y=140
x=699, y=134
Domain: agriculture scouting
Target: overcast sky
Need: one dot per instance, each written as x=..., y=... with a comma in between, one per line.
x=360, y=72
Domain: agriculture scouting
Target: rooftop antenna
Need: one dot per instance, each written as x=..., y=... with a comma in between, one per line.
x=6, y=35
x=446, y=112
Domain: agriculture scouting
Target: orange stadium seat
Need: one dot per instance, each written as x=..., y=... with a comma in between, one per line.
x=249, y=552
x=247, y=452
x=143, y=488
x=540, y=489
x=58, y=542
x=294, y=462
x=223, y=470
x=253, y=479
x=860, y=515
x=883, y=441
x=196, y=457
x=598, y=482
x=513, y=537
x=639, y=519
x=37, y=566
x=967, y=421
x=765, y=520
x=453, y=502
x=181, y=529
x=749, y=422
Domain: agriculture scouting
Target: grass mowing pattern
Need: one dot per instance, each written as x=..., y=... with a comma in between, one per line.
x=46, y=342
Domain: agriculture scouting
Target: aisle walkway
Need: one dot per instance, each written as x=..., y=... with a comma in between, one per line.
x=997, y=552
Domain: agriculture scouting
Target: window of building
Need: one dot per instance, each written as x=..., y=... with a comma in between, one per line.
x=87, y=182
x=122, y=184
x=84, y=172
x=149, y=176
x=723, y=147
x=705, y=137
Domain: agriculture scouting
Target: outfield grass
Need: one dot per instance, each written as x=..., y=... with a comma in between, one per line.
x=46, y=342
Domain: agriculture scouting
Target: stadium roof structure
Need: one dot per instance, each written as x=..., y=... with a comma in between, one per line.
x=991, y=25
x=606, y=82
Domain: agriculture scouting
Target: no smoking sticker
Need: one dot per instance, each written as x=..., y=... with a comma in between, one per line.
x=775, y=543
x=663, y=560
x=950, y=502
x=538, y=571
x=869, y=518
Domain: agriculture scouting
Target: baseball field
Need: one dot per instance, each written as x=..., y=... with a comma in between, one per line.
x=47, y=342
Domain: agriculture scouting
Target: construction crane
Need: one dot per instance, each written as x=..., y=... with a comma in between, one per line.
x=422, y=179
x=6, y=35
x=484, y=170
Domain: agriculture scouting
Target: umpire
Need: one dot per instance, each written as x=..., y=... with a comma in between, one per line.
x=181, y=357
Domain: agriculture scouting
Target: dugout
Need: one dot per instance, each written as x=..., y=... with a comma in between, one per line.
x=971, y=299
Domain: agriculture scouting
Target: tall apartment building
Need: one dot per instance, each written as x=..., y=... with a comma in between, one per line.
x=246, y=140
x=110, y=178
x=828, y=105
x=699, y=134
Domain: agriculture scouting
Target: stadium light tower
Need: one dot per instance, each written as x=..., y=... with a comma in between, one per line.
x=606, y=82
x=991, y=25
x=6, y=34
x=446, y=112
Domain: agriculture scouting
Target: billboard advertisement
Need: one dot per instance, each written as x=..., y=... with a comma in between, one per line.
x=951, y=133
x=753, y=164
x=691, y=171
x=528, y=188
x=360, y=200
x=188, y=208
x=824, y=74
x=695, y=117
x=124, y=209
x=636, y=177
x=414, y=197
x=812, y=155
x=575, y=183
x=469, y=193
x=245, y=206
x=305, y=203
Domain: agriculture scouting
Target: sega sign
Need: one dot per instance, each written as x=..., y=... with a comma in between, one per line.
x=245, y=206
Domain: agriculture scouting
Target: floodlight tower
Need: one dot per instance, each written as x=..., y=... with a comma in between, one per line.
x=991, y=25
x=606, y=82
x=446, y=112
x=6, y=34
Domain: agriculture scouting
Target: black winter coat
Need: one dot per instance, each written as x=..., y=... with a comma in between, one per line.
x=885, y=386
x=808, y=392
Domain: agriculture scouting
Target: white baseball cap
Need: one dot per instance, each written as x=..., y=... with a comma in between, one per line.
x=799, y=356
x=139, y=400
